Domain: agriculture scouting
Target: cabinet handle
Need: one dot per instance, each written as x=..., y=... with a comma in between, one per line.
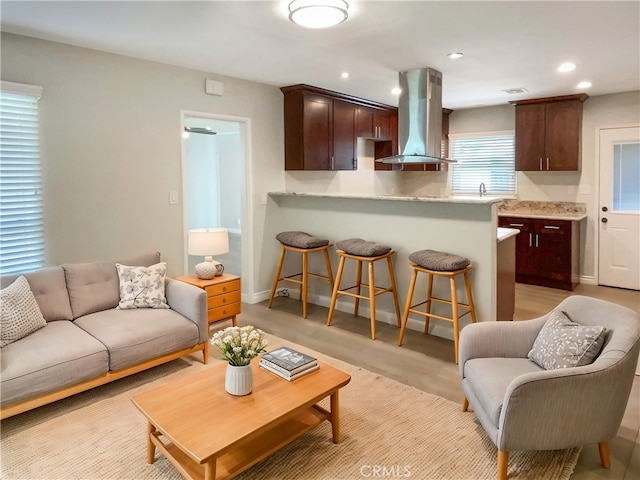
x=224, y=289
x=516, y=224
x=530, y=239
x=540, y=163
x=552, y=227
x=537, y=239
x=547, y=163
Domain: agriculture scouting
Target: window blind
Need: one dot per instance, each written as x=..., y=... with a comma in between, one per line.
x=21, y=210
x=488, y=159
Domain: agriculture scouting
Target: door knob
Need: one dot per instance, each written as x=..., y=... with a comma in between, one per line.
x=604, y=209
x=604, y=220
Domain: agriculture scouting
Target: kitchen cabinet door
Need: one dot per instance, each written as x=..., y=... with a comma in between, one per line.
x=344, y=138
x=530, y=131
x=318, y=132
x=364, y=122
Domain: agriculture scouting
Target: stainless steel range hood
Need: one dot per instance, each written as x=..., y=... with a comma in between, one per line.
x=419, y=118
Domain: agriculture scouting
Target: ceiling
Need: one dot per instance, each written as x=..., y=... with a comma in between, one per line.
x=506, y=44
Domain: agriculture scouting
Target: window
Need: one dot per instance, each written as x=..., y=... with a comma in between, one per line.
x=21, y=217
x=483, y=158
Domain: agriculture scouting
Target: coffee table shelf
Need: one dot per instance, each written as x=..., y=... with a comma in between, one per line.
x=219, y=443
x=245, y=456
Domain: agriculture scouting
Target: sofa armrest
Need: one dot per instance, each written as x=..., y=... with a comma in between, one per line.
x=566, y=407
x=190, y=302
x=498, y=339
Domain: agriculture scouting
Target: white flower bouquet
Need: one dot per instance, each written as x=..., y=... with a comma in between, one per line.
x=240, y=345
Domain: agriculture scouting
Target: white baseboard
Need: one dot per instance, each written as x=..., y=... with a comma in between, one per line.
x=588, y=280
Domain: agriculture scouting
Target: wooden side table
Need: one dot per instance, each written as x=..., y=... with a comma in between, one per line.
x=223, y=296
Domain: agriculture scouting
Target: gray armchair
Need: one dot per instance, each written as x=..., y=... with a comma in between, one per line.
x=525, y=407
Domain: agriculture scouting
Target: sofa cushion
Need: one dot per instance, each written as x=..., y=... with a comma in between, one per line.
x=133, y=336
x=19, y=312
x=50, y=290
x=94, y=287
x=142, y=287
x=562, y=343
x=489, y=378
x=54, y=357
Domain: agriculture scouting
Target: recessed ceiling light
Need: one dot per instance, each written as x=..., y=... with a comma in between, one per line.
x=515, y=91
x=396, y=91
x=344, y=74
x=584, y=84
x=455, y=55
x=567, y=67
x=318, y=13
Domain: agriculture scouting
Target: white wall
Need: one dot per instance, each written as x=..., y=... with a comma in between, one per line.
x=111, y=151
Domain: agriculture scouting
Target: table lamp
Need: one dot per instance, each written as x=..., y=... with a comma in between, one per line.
x=208, y=242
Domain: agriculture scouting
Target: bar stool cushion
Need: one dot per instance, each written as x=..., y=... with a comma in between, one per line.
x=440, y=261
x=362, y=248
x=300, y=240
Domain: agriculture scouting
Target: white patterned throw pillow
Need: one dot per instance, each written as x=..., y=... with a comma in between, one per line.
x=142, y=287
x=19, y=312
x=562, y=343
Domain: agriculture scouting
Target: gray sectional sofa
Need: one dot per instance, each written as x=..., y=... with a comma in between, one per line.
x=87, y=341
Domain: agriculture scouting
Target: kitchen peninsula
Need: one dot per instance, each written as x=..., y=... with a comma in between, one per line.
x=465, y=226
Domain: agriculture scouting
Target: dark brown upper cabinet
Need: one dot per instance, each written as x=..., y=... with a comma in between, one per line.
x=321, y=128
x=549, y=133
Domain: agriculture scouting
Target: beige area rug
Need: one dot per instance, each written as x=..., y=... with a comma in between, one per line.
x=389, y=430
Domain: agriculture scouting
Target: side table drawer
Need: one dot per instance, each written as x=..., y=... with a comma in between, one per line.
x=226, y=311
x=223, y=288
x=222, y=300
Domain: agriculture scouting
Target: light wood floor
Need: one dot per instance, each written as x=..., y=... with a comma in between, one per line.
x=427, y=362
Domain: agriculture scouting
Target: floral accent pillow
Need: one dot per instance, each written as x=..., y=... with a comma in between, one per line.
x=562, y=343
x=19, y=312
x=142, y=287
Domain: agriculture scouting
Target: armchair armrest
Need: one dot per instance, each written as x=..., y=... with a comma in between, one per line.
x=498, y=339
x=190, y=302
x=567, y=407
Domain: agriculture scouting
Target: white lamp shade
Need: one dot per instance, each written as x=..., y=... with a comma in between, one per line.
x=208, y=241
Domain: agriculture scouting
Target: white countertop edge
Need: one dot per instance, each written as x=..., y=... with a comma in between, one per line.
x=504, y=233
x=404, y=198
x=572, y=217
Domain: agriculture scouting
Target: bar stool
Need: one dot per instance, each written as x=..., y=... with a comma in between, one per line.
x=362, y=251
x=305, y=244
x=445, y=265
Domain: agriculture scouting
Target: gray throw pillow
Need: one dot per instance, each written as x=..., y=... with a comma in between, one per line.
x=562, y=343
x=20, y=314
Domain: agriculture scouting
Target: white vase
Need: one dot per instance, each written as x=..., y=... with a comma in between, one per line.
x=238, y=380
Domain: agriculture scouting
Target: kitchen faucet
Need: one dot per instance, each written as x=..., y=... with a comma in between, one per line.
x=483, y=189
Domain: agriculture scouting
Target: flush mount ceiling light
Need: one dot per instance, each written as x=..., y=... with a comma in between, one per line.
x=583, y=85
x=455, y=55
x=318, y=13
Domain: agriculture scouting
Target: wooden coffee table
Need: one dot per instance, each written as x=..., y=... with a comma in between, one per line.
x=209, y=434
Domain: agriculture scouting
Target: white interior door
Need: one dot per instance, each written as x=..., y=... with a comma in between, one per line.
x=619, y=209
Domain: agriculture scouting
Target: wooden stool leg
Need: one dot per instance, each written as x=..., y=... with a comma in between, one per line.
x=394, y=291
x=503, y=462
x=603, y=449
x=305, y=279
x=327, y=262
x=277, y=277
x=454, y=315
x=358, y=288
x=465, y=404
x=407, y=306
x=472, y=308
x=336, y=287
x=428, y=305
x=372, y=300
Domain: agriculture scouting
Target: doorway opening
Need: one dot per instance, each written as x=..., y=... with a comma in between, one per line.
x=214, y=176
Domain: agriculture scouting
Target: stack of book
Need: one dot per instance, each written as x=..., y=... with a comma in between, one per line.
x=288, y=363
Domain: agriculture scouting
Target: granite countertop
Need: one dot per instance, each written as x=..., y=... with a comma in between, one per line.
x=486, y=200
x=571, y=211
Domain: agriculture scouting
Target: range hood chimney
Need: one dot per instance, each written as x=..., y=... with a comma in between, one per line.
x=419, y=118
